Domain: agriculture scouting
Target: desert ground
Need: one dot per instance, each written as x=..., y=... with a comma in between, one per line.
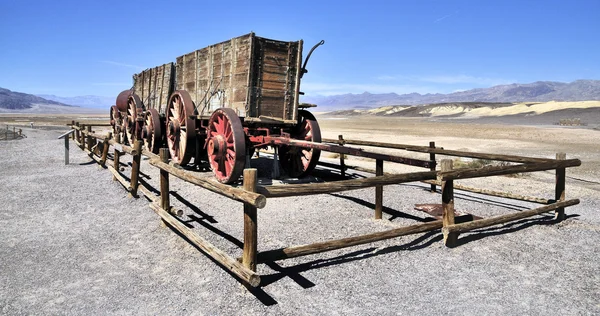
x=73, y=242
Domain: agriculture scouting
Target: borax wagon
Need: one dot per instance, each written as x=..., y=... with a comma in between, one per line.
x=221, y=103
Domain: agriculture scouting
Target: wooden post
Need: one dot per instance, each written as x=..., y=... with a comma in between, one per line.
x=105, y=148
x=165, y=204
x=73, y=125
x=379, y=190
x=89, y=138
x=432, y=167
x=342, y=157
x=450, y=239
x=559, y=193
x=250, y=222
x=21, y=132
x=135, y=167
x=78, y=134
x=117, y=156
x=14, y=133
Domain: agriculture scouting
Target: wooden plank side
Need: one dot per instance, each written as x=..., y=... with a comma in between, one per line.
x=179, y=73
x=277, y=72
x=189, y=73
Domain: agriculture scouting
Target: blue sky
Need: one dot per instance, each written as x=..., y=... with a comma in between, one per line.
x=72, y=48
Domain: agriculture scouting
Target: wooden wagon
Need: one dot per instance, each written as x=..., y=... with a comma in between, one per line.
x=222, y=102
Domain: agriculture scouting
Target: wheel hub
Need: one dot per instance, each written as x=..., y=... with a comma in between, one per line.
x=217, y=146
x=174, y=128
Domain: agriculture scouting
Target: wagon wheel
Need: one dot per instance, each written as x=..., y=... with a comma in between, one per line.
x=115, y=120
x=298, y=161
x=121, y=102
x=135, y=109
x=181, y=129
x=152, y=132
x=226, y=145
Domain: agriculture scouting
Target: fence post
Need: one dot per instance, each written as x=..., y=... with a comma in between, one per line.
x=559, y=193
x=89, y=139
x=78, y=134
x=450, y=239
x=117, y=156
x=342, y=158
x=135, y=167
x=379, y=190
x=165, y=204
x=433, y=163
x=105, y=148
x=14, y=133
x=250, y=222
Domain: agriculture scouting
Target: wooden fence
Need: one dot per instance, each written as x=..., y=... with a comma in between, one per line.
x=254, y=196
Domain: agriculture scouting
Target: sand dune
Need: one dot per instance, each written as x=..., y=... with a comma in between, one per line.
x=521, y=108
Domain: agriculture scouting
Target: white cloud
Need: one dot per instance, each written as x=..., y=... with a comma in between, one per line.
x=385, y=77
x=111, y=84
x=318, y=88
x=110, y=62
x=440, y=19
x=453, y=79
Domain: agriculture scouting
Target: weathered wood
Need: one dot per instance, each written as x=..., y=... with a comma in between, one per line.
x=105, y=148
x=117, y=176
x=250, y=222
x=234, y=193
x=342, y=157
x=344, y=185
x=491, y=221
x=297, y=251
x=116, y=155
x=495, y=193
x=135, y=167
x=78, y=135
x=559, y=192
x=98, y=124
x=218, y=255
x=441, y=151
x=433, y=163
x=379, y=190
x=504, y=170
x=281, y=141
x=165, y=203
x=448, y=205
x=89, y=138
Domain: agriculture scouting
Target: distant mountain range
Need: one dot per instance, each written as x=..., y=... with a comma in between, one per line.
x=86, y=101
x=21, y=101
x=540, y=91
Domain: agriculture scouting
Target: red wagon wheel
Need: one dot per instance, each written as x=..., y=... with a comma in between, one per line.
x=135, y=108
x=152, y=132
x=115, y=120
x=226, y=145
x=121, y=102
x=298, y=161
x=181, y=129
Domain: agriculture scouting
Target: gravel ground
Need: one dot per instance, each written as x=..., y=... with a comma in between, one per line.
x=72, y=242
